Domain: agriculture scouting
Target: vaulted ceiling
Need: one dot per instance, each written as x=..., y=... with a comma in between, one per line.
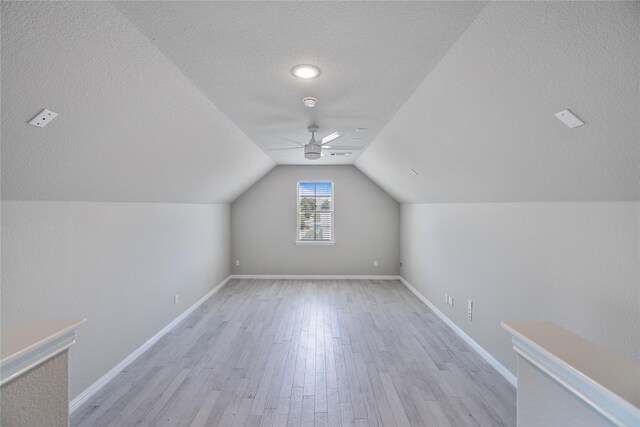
x=186, y=101
x=481, y=126
x=372, y=56
x=131, y=126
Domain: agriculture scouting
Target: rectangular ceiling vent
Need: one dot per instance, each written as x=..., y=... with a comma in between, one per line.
x=43, y=118
x=569, y=119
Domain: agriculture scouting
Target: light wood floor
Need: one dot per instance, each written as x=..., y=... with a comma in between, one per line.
x=307, y=353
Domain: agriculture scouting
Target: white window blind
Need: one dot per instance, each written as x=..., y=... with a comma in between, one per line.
x=315, y=212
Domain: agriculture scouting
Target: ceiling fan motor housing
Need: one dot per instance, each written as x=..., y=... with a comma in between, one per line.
x=312, y=151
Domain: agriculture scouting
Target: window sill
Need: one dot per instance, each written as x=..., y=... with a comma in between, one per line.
x=315, y=242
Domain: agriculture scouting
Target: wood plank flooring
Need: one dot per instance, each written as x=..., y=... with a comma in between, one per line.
x=307, y=353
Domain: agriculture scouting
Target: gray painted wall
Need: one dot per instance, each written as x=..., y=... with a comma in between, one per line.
x=575, y=264
x=116, y=264
x=263, y=226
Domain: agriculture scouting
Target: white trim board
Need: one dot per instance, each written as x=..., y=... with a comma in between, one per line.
x=593, y=375
x=96, y=386
x=474, y=345
x=33, y=343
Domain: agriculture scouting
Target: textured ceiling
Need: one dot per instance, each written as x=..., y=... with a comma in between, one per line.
x=131, y=128
x=372, y=56
x=481, y=126
x=163, y=101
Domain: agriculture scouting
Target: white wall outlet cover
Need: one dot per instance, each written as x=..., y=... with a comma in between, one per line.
x=43, y=118
x=569, y=119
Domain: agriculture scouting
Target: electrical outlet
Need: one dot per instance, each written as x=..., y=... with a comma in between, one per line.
x=375, y=263
x=237, y=263
x=176, y=299
x=469, y=310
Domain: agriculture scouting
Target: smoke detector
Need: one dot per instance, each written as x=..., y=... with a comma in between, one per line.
x=309, y=101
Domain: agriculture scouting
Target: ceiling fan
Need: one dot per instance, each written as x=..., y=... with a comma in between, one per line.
x=314, y=149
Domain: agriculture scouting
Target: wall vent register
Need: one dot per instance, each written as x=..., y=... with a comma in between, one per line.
x=315, y=213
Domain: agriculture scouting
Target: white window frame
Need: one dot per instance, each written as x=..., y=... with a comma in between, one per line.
x=333, y=216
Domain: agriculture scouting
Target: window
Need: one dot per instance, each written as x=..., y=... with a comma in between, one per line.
x=315, y=213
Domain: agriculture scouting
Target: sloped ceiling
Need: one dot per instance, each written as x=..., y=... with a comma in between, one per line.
x=372, y=56
x=481, y=126
x=142, y=121
x=132, y=127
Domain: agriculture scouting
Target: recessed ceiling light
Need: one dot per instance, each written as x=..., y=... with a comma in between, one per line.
x=306, y=71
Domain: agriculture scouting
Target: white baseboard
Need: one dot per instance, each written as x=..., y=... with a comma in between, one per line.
x=316, y=277
x=95, y=387
x=474, y=345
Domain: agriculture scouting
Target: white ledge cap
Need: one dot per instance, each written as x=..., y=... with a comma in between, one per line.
x=608, y=383
x=33, y=343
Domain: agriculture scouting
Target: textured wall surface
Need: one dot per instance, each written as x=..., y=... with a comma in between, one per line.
x=38, y=398
x=116, y=264
x=264, y=226
x=575, y=264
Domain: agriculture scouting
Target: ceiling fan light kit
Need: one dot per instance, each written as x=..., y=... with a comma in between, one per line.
x=312, y=151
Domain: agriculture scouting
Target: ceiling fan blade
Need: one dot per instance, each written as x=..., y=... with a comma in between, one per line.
x=331, y=137
x=285, y=148
x=343, y=147
x=342, y=153
x=291, y=141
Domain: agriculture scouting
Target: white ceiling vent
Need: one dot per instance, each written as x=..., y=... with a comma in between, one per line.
x=569, y=119
x=43, y=118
